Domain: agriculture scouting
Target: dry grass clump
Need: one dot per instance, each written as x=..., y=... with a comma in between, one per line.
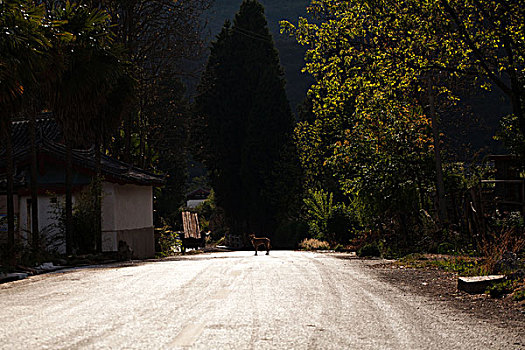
x=314, y=244
x=509, y=240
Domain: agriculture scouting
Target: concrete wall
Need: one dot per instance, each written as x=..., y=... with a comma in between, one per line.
x=127, y=215
x=47, y=220
x=126, y=207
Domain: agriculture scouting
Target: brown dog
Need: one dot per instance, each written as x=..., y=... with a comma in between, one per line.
x=258, y=241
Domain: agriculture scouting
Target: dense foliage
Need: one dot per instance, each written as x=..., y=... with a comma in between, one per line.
x=384, y=71
x=368, y=131
x=363, y=159
x=329, y=220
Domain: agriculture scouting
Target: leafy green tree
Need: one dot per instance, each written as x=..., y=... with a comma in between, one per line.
x=393, y=60
x=370, y=130
x=394, y=45
x=383, y=55
x=384, y=164
x=314, y=138
x=490, y=36
x=244, y=125
x=513, y=140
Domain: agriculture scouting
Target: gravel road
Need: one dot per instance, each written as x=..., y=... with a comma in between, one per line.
x=287, y=300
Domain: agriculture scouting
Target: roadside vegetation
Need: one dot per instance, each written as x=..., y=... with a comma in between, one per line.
x=380, y=173
x=378, y=170
x=314, y=244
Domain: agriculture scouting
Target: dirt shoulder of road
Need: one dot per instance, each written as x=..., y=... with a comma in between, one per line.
x=442, y=286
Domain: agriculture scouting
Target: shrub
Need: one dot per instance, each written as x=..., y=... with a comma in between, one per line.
x=505, y=235
x=84, y=219
x=220, y=241
x=500, y=289
x=445, y=248
x=289, y=234
x=519, y=295
x=314, y=244
x=339, y=248
x=212, y=219
x=169, y=242
x=329, y=220
x=390, y=248
x=369, y=250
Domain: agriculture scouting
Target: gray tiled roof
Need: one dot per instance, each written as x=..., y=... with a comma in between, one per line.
x=49, y=141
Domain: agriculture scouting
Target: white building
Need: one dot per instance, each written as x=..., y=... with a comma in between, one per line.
x=127, y=193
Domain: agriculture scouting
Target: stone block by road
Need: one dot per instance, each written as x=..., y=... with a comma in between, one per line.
x=478, y=284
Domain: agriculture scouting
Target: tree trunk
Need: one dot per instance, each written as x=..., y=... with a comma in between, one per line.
x=98, y=197
x=127, y=138
x=35, y=234
x=69, y=198
x=6, y=127
x=440, y=186
x=142, y=149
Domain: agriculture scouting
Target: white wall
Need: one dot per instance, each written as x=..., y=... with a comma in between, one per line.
x=192, y=203
x=126, y=207
x=108, y=207
x=46, y=221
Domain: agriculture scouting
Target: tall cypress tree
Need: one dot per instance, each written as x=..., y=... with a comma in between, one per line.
x=245, y=124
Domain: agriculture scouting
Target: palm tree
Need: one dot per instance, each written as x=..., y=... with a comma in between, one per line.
x=21, y=45
x=90, y=69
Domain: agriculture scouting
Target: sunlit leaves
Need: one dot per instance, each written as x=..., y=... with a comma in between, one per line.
x=367, y=58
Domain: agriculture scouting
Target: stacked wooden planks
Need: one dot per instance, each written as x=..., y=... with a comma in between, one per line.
x=190, y=222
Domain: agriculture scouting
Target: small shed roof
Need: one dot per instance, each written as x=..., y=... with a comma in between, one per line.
x=199, y=193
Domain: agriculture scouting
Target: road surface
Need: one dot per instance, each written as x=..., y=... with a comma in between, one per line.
x=287, y=300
